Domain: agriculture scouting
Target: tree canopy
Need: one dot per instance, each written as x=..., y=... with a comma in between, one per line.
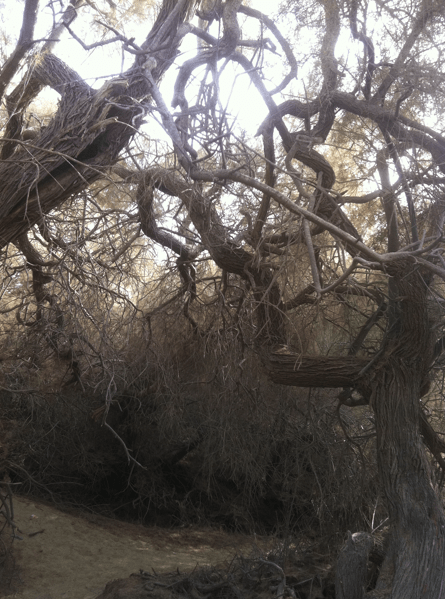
x=309, y=247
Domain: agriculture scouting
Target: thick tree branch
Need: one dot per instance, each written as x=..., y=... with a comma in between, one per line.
x=377, y=260
x=287, y=368
x=251, y=12
x=24, y=43
x=269, y=179
x=30, y=86
x=85, y=136
x=389, y=204
x=329, y=68
x=414, y=236
x=145, y=197
x=368, y=45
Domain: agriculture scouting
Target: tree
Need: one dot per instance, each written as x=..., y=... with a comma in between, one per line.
x=367, y=206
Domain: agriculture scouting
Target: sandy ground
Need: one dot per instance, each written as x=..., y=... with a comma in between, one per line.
x=64, y=556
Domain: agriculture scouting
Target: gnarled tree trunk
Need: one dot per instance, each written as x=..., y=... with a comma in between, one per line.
x=414, y=566
x=393, y=382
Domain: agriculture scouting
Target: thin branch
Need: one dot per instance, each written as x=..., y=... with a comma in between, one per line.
x=118, y=38
x=130, y=458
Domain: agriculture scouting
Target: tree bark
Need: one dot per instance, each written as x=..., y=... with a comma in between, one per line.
x=87, y=133
x=414, y=566
x=288, y=368
x=352, y=566
x=416, y=555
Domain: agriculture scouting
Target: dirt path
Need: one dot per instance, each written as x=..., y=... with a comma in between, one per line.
x=65, y=556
